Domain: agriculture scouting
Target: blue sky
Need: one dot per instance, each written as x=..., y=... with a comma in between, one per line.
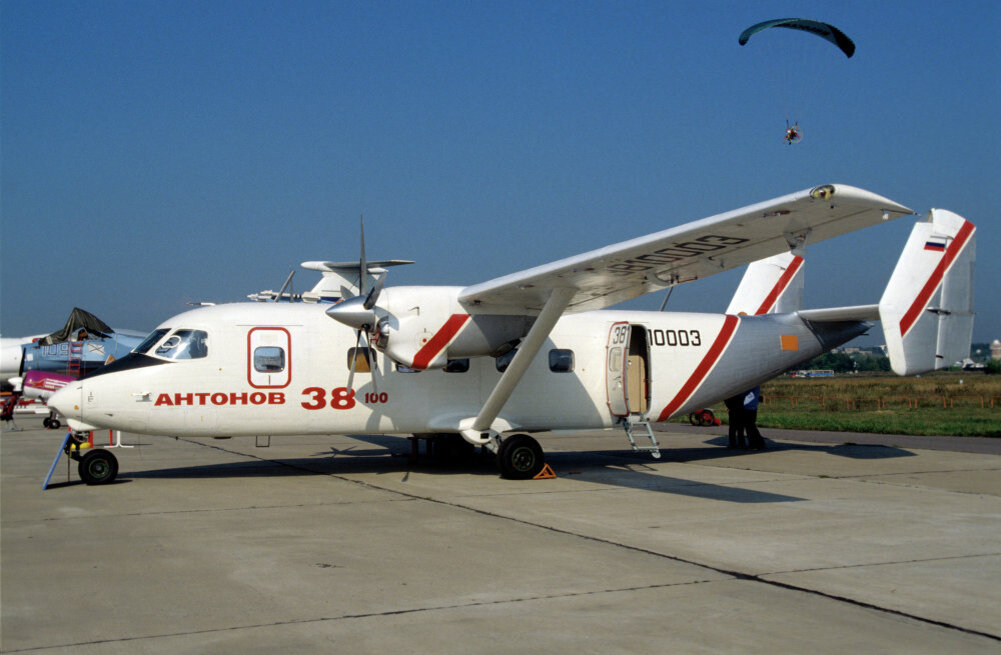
x=155, y=153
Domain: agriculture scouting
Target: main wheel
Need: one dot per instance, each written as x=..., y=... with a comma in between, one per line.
x=706, y=417
x=98, y=467
x=520, y=457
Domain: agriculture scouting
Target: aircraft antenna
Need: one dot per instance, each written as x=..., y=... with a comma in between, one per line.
x=287, y=285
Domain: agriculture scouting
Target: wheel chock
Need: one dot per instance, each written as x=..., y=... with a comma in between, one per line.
x=546, y=473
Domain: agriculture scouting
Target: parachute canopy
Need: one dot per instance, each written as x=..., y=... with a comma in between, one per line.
x=824, y=30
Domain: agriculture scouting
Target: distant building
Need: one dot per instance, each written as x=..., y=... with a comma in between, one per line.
x=996, y=349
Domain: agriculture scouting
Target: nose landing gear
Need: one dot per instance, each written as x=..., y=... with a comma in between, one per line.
x=95, y=465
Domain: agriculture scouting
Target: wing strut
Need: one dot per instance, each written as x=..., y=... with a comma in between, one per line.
x=479, y=432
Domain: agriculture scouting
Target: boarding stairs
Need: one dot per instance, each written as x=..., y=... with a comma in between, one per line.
x=74, y=362
x=640, y=426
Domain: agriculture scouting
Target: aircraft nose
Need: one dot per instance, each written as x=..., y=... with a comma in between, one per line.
x=66, y=401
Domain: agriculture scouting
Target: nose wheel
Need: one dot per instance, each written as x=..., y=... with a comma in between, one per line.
x=98, y=467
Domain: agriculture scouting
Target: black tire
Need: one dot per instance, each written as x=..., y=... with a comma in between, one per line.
x=520, y=457
x=706, y=417
x=45, y=422
x=98, y=467
x=52, y=423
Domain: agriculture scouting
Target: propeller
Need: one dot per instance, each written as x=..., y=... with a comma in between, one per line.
x=358, y=312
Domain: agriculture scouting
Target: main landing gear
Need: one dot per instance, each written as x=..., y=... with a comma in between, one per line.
x=520, y=457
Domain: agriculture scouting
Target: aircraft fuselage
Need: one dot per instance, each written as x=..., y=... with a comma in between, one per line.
x=284, y=369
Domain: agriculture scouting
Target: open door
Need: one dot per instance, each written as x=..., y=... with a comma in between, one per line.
x=626, y=366
x=615, y=369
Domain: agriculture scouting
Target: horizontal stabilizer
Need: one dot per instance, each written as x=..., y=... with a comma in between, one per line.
x=841, y=314
x=927, y=308
x=340, y=279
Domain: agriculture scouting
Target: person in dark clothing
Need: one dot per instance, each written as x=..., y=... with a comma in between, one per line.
x=750, y=418
x=735, y=411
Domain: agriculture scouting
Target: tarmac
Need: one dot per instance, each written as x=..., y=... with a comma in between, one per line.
x=345, y=544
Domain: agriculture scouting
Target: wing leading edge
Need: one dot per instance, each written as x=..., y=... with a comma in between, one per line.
x=629, y=269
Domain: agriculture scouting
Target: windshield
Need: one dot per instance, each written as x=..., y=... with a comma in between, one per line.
x=184, y=344
x=151, y=340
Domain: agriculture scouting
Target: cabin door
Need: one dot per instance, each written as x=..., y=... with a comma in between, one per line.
x=627, y=379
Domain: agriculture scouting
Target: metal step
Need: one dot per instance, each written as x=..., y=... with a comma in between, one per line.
x=642, y=426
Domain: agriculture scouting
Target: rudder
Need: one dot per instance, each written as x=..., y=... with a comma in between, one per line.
x=927, y=307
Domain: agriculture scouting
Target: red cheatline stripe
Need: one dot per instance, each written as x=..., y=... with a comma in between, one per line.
x=441, y=339
x=715, y=350
x=781, y=285
x=919, y=304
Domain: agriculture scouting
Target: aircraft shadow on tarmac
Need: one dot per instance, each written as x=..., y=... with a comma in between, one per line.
x=850, y=450
x=391, y=455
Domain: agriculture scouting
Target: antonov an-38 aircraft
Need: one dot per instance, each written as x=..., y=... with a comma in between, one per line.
x=531, y=351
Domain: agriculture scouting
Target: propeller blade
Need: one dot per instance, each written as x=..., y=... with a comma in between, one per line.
x=373, y=295
x=362, y=263
x=373, y=363
x=354, y=361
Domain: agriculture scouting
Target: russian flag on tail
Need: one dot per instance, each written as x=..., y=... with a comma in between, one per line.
x=936, y=244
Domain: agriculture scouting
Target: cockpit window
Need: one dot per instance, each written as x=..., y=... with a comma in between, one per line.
x=151, y=340
x=184, y=344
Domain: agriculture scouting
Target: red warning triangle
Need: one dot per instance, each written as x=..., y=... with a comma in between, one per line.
x=546, y=473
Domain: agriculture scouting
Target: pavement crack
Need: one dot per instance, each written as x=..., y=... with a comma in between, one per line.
x=886, y=563
x=365, y=615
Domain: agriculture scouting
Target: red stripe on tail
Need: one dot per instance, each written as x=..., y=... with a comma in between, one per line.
x=781, y=285
x=919, y=304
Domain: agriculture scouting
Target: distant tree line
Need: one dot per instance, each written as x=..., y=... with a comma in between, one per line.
x=869, y=362
x=845, y=363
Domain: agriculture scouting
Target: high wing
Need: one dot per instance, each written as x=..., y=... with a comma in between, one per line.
x=622, y=271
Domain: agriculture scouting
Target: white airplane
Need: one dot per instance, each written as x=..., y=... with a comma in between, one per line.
x=535, y=350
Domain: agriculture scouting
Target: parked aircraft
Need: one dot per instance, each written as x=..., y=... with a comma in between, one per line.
x=532, y=351
x=82, y=345
x=35, y=367
x=11, y=357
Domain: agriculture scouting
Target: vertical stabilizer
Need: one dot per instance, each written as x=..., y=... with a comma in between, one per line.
x=927, y=308
x=770, y=286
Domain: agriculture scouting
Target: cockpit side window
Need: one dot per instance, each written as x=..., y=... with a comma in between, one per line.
x=151, y=340
x=184, y=344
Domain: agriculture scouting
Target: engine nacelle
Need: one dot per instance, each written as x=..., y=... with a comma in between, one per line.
x=424, y=327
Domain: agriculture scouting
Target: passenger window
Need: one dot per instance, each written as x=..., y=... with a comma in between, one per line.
x=505, y=360
x=457, y=366
x=269, y=359
x=560, y=360
x=184, y=344
x=615, y=359
x=361, y=358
